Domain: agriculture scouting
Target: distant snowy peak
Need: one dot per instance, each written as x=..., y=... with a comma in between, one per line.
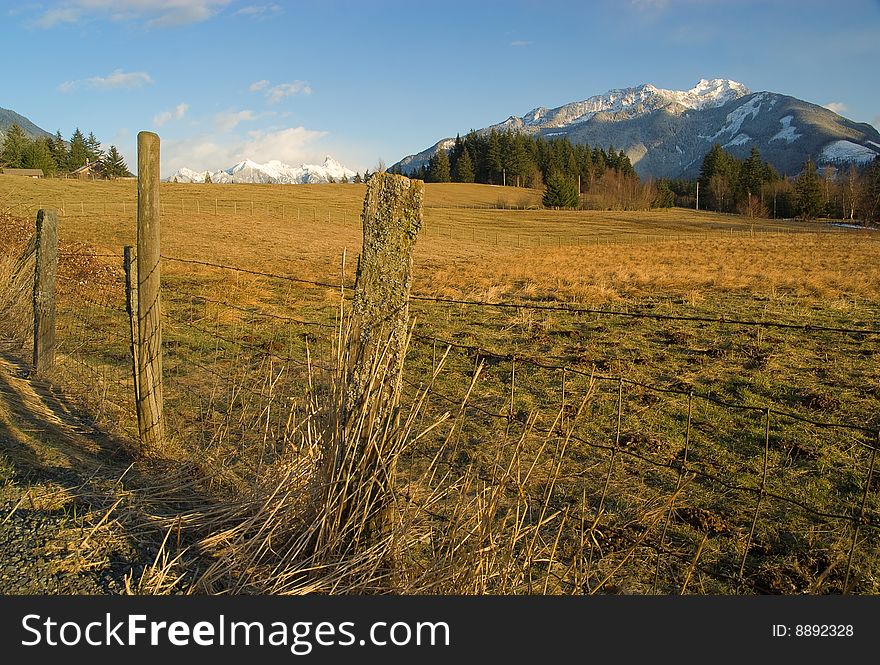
x=272, y=172
x=630, y=103
x=708, y=94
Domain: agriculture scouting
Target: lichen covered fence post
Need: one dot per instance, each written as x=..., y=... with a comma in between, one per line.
x=361, y=469
x=392, y=218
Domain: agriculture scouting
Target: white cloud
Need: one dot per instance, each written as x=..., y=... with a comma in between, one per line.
x=648, y=5
x=293, y=145
x=278, y=92
x=166, y=116
x=116, y=79
x=154, y=13
x=259, y=11
x=55, y=17
x=520, y=43
x=228, y=120
x=837, y=107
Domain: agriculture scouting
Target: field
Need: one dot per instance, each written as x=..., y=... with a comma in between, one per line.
x=610, y=416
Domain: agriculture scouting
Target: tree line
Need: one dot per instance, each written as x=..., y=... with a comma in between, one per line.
x=55, y=156
x=566, y=171
x=754, y=188
x=581, y=176
x=515, y=158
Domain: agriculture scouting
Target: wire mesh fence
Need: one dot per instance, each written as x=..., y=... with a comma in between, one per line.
x=93, y=342
x=663, y=489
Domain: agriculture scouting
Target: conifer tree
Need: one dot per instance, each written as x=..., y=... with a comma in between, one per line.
x=560, y=192
x=665, y=197
x=59, y=151
x=79, y=154
x=438, y=167
x=871, y=194
x=114, y=164
x=518, y=162
x=37, y=155
x=464, y=167
x=14, y=146
x=808, y=192
x=752, y=174
x=93, y=148
x=494, y=161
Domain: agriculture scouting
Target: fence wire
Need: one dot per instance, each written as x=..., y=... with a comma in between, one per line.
x=93, y=342
x=681, y=491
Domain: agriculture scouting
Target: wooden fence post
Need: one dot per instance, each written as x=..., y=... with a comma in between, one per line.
x=392, y=218
x=45, y=270
x=149, y=398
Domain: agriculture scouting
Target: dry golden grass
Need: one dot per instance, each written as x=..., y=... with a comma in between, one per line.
x=813, y=265
x=303, y=230
x=251, y=424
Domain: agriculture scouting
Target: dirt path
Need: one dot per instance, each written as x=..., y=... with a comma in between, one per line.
x=72, y=515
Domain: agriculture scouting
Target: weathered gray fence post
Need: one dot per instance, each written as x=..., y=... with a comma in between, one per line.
x=392, y=218
x=149, y=357
x=45, y=270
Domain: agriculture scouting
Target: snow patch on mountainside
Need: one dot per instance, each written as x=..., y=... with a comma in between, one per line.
x=738, y=116
x=739, y=139
x=272, y=172
x=788, y=133
x=847, y=151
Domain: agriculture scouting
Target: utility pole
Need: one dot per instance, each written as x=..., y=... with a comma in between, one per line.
x=504, y=177
x=698, y=195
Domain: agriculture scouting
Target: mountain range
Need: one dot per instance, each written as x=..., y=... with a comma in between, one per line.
x=272, y=172
x=666, y=133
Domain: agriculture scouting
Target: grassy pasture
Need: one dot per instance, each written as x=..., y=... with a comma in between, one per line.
x=227, y=358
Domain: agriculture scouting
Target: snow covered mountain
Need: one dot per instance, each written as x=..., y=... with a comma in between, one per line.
x=630, y=103
x=666, y=133
x=272, y=172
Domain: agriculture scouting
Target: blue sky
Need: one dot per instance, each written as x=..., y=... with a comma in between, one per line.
x=220, y=80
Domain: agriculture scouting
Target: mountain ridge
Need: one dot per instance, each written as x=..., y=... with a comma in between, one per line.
x=8, y=117
x=666, y=133
x=272, y=172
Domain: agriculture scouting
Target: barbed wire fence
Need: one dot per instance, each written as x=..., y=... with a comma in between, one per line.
x=740, y=475
x=719, y=495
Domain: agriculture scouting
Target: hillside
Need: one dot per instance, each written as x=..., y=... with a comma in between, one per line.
x=666, y=133
x=9, y=118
